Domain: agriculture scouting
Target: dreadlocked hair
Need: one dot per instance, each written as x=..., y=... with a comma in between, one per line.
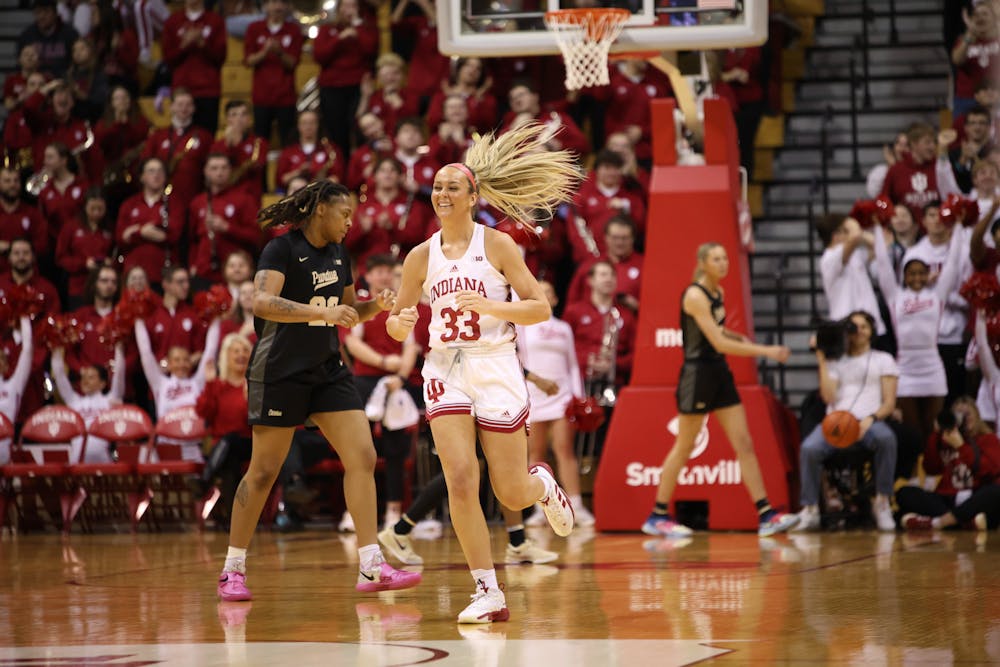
x=517, y=174
x=298, y=208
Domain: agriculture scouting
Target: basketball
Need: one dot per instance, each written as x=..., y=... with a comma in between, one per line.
x=841, y=428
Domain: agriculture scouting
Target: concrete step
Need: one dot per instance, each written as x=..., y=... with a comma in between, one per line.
x=915, y=90
x=834, y=26
x=812, y=157
x=13, y=22
x=854, y=7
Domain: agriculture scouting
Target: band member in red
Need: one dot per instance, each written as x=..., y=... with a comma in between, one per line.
x=182, y=147
x=194, y=46
x=273, y=47
x=146, y=234
x=247, y=152
x=313, y=158
x=221, y=220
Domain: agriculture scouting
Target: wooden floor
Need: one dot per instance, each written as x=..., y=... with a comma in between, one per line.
x=611, y=599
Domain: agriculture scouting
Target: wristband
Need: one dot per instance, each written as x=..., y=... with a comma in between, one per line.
x=526, y=373
x=875, y=417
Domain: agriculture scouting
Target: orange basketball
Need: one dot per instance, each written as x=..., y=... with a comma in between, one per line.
x=841, y=428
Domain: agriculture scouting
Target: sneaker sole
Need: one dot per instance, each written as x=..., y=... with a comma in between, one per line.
x=562, y=498
x=780, y=528
x=492, y=617
x=229, y=597
x=378, y=586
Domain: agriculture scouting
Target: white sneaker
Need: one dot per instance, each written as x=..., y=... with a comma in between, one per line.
x=346, y=524
x=809, y=519
x=582, y=516
x=399, y=547
x=528, y=552
x=428, y=529
x=486, y=607
x=558, y=509
x=537, y=518
x=883, y=515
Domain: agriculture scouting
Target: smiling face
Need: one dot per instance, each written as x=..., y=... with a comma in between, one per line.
x=90, y=381
x=452, y=196
x=179, y=362
x=237, y=358
x=915, y=275
x=334, y=218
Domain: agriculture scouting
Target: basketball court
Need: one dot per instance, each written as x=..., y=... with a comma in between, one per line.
x=611, y=599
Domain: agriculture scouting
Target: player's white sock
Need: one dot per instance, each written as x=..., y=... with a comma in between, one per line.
x=236, y=560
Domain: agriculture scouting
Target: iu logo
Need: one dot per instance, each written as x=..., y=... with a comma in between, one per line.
x=434, y=390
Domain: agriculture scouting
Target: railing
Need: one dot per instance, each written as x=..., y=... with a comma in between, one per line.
x=779, y=320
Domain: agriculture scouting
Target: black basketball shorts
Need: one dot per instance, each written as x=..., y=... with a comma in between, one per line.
x=705, y=387
x=290, y=401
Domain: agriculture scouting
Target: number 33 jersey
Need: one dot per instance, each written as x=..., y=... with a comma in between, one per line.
x=317, y=276
x=449, y=327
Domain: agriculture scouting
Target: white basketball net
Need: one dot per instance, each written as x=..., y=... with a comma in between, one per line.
x=585, y=37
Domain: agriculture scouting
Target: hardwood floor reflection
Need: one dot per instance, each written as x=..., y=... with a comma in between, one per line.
x=729, y=598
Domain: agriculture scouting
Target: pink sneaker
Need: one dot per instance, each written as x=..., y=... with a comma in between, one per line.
x=913, y=521
x=233, y=587
x=385, y=577
x=558, y=508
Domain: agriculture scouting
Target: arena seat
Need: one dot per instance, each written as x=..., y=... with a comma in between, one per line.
x=165, y=471
x=39, y=468
x=114, y=488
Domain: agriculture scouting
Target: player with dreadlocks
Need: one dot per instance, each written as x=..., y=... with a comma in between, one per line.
x=303, y=290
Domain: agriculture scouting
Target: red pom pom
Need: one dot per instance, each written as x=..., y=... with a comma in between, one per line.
x=60, y=331
x=958, y=210
x=884, y=209
x=586, y=414
x=523, y=234
x=6, y=313
x=138, y=305
x=214, y=303
x=982, y=290
x=864, y=211
x=25, y=300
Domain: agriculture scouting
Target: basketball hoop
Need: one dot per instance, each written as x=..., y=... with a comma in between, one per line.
x=584, y=36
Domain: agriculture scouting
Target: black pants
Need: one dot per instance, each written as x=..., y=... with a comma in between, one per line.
x=953, y=357
x=984, y=499
x=264, y=117
x=393, y=446
x=747, y=122
x=338, y=105
x=206, y=114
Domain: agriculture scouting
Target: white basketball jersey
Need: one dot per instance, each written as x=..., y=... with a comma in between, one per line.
x=450, y=328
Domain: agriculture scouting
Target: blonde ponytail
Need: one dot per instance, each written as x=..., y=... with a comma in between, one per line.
x=516, y=173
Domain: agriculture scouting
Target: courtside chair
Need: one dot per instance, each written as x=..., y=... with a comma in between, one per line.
x=37, y=478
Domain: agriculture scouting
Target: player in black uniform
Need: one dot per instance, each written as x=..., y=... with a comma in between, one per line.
x=302, y=291
x=706, y=385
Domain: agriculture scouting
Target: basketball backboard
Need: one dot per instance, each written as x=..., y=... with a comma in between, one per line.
x=485, y=28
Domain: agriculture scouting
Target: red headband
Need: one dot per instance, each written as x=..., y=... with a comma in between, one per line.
x=465, y=170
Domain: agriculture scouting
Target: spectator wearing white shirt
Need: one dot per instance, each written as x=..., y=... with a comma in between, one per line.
x=94, y=398
x=177, y=387
x=548, y=348
x=12, y=386
x=933, y=251
x=844, y=268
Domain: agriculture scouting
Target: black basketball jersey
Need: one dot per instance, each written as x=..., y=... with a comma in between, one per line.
x=312, y=275
x=696, y=346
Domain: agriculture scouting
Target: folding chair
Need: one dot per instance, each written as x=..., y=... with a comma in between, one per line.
x=114, y=488
x=39, y=468
x=165, y=471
